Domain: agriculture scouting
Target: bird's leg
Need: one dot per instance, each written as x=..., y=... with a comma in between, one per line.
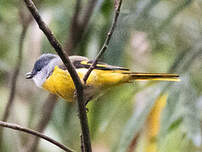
x=88, y=100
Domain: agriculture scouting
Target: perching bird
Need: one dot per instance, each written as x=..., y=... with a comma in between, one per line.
x=50, y=73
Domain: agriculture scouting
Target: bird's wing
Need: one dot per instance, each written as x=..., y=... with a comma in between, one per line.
x=99, y=66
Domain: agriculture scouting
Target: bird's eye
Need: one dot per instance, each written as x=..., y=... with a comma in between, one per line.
x=38, y=69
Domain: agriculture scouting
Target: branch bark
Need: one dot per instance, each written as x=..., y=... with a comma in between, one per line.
x=77, y=82
x=34, y=133
x=108, y=38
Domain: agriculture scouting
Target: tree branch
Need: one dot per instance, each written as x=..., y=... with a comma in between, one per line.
x=108, y=38
x=34, y=133
x=77, y=82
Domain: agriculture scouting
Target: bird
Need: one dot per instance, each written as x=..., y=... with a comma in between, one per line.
x=51, y=74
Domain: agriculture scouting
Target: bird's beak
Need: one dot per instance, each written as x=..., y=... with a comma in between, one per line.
x=29, y=75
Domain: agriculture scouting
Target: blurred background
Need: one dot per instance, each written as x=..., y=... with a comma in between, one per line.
x=151, y=36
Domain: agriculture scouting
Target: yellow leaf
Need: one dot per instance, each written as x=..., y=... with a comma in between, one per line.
x=153, y=123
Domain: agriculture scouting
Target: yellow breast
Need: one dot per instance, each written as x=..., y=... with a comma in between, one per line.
x=61, y=83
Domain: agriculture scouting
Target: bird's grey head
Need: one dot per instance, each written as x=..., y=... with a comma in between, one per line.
x=43, y=67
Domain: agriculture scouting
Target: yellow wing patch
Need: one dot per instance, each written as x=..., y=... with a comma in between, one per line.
x=102, y=66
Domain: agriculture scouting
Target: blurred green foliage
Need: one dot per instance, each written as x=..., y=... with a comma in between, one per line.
x=151, y=36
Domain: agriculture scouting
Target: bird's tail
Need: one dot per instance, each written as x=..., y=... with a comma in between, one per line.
x=153, y=76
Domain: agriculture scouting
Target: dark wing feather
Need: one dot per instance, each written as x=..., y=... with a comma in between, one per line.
x=100, y=66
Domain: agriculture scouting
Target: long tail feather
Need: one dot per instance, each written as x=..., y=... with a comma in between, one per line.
x=154, y=76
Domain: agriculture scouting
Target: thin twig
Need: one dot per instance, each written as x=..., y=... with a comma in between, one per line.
x=34, y=133
x=47, y=110
x=77, y=82
x=106, y=43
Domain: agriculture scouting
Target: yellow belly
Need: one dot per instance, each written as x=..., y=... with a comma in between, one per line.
x=61, y=84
